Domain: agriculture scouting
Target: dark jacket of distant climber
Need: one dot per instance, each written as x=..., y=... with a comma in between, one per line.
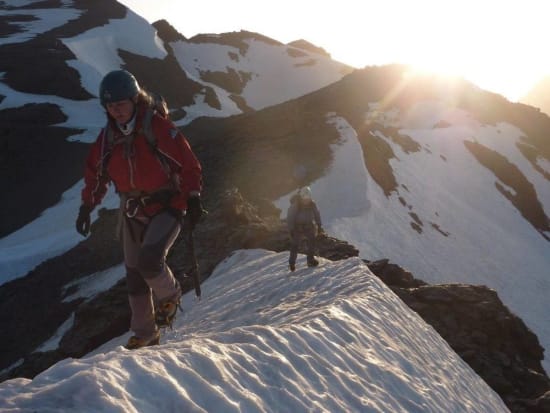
x=301, y=215
x=304, y=221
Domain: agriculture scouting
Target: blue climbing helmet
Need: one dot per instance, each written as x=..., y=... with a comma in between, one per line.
x=116, y=86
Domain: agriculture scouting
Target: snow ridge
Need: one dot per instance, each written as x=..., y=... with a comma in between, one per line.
x=328, y=339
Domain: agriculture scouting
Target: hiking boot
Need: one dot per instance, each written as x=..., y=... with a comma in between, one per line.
x=312, y=262
x=292, y=267
x=166, y=313
x=136, y=342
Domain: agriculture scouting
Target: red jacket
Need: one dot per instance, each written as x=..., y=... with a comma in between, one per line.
x=143, y=171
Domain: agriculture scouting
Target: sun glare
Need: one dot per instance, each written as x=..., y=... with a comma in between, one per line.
x=500, y=46
x=493, y=45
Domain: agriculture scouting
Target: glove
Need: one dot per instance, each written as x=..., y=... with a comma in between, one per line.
x=83, y=220
x=194, y=210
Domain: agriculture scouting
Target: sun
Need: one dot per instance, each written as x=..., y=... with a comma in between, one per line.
x=500, y=49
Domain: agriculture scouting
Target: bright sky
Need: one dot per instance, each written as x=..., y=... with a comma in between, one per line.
x=499, y=45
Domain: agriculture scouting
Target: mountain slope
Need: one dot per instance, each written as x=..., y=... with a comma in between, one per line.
x=433, y=175
x=333, y=337
x=445, y=179
x=241, y=64
x=53, y=57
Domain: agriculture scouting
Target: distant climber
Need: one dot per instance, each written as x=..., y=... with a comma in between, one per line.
x=304, y=221
x=157, y=177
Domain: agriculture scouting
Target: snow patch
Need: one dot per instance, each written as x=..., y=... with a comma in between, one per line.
x=543, y=164
x=45, y=20
x=90, y=286
x=53, y=343
x=96, y=50
x=334, y=199
x=50, y=235
x=263, y=63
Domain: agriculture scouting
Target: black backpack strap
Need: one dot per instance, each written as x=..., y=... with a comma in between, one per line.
x=107, y=147
x=147, y=130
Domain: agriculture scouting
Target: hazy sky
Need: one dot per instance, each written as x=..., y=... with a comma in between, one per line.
x=500, y=45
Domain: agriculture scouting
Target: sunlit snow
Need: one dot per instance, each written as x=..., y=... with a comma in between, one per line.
x=330, y=339
x=488, y=241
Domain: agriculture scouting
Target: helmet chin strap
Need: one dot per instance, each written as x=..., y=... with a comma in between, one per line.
x=128, y=127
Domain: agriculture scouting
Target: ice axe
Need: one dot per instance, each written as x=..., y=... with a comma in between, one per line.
x=190, y=254
x=194, y=269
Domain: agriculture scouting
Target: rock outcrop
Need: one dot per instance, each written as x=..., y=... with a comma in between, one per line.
x=497, y=344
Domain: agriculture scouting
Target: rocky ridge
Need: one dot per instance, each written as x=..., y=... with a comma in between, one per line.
x=496, y=343
x=472, y=319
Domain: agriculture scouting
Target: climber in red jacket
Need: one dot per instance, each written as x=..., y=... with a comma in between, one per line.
x=158, y=179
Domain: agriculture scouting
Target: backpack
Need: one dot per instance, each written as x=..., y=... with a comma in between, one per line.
x=158, y=106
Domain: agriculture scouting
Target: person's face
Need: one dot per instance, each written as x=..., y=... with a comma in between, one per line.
x=121, y=111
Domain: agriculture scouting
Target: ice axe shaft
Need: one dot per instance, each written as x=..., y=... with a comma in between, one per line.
x=195, y=264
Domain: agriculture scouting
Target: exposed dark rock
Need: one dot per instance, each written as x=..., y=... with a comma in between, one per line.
x=540, y=405
x=162, y=76
x=525, y=197
x=241, y=103
x=11, y=24
x=393, y=275
x=377, y=154
x=36, y=363
x=497, y=344
x=31, y=308
x=407, y=144
x=232, y=81
x=45, y=4
x=292, y=52
x=37, y=163
x=97, y=321
x=39, y=65
x=167, y=32
x=211, y=98
x=235, y=39
x=531, y=153
x=258, y=151
x=305, y=45
x=95, y=13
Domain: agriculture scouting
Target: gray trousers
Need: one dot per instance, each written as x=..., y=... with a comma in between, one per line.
x=148, y=276
x=309, y=232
